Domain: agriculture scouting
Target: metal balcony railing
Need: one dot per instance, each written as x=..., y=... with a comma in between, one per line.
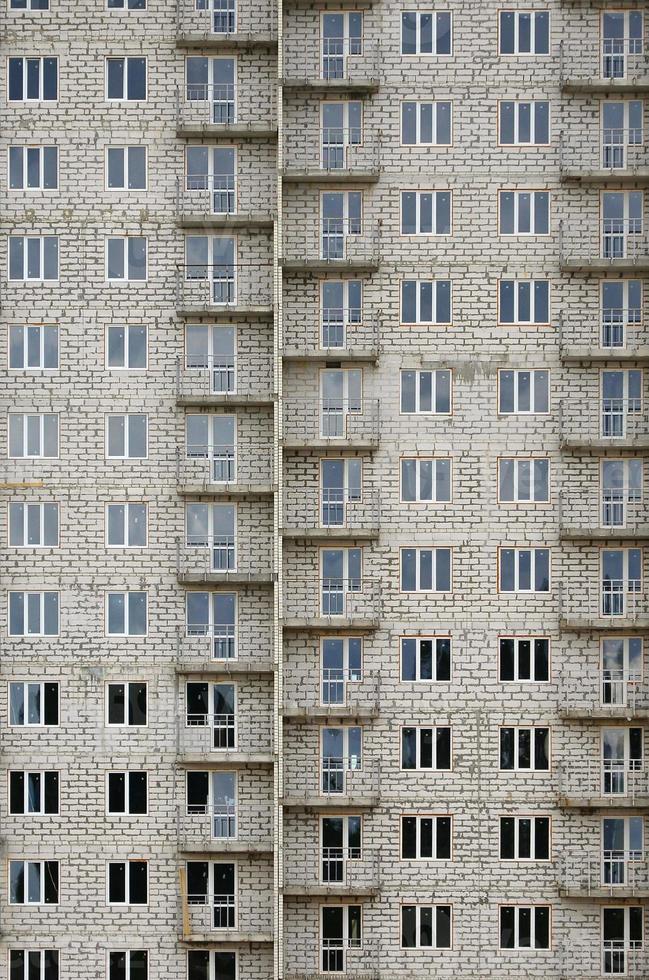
x=335, y=240
x=616, y=59
x=332, y=59
x=336, y=419
x=223, y=18
x=617, y=419
x=242, y=553
x=214, y=466
x=200, y=105
x=612, y=149
x=612, y=957
x=611, y=508
x=357, y=959
x=225, y=285
x=209, y=195
x=338, y=330
x=610, y=600
x=614, y=780
x=334, y=507
x=337, y=599
x=208, y=733
x=617, y=239
x=225, y=823
x=333, y=149
x=620, y=329
x=333, y=779
x=336, y=688
x=343, y=868
x=605, y=692
x=611, y=873
x=245, y=641
x=207, y=376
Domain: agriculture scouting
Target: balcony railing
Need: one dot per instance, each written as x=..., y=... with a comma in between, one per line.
x=225, y=286
x=335, y=600
x=339, y=868
x=210, y=734
x=335, y=149
x=246, y=642
x=613, y=957
x=332, y=59
x=609, y=781
x=334, y=240
x=615, y=60
x=611, y=873
x=357, y=959
x=218, y=105
x=210, y=19
x=611, y=509
x=604, y=693
x=339, y=420
x=604, y=602
x=339, y=331
x=204, y=196
x=616, y=419
x=620, y=329
x=207, y=376
x=332, y=780
x=211, y=466
x=334, y=507
x=335, y=689
x=242, y=554
x=613, y=149
x=620, y=240
x=221, y=916
x=225, y=823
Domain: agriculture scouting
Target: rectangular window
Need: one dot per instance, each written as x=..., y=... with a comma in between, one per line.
x=126, y=525
x=33, y=613
x=426, y=480
x=33, y=79
x=33, y=792
x=33, y=436
x=524, y=301
x=213, y=706
x=126, y=704
x=523, y=480
x=33, y=703
x=524, y=838
x=126, y=259
x=426, y=569
x=426, y=123
x=426, y=392
x=126, y=436
x=524, y=32
x=524, y=749
x=426, y=838
x=215, y=964
x=126, y=168
x=33, y=258
x=523, y=569
x=426, y=212
x=213, y=884
x=524, y=927
x=127, y=793
x=426, y=927
x=426, y=32
x=33, y=168
x=427, y=301
x=126, y=347
x=524, y=123
x=34, y=964
x=341, y=304
x=426, y=748
x=126, y=613
x=213, y=80
x=126, y=79
x=127, y=883
x=523, y=658
x=524, y=212
x=622, y=939
x=33, y=882
x=621, y=310
x=214, y=614
x=341, y=659
x=138, y=5
x=33, y=525
x=425, y=658
x=523, y=392
x=29, y=5
x=128, y=964
x=33, y=347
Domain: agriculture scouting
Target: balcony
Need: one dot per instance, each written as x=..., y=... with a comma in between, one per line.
x=339, y=694
x=332, y=604
x=613, y=154
x=225, y=200
x=612, y=958
x=616, y=65
x=223, y=380
x=614, y=604
x=339, y=782
x=244, y=558
x=354, y=958
x=244, y=647
x=212, y=110
x=247, y=27
x=615, y=874
x=220, y=740
x=333, y=155
x=221, y=470
x=604, y=695
x=232, y=291
x=619, y=423
x=207, y=918
x=340, y=871
x=331, y=65
x=618, y=245
x=333, y=512
x=608, y=514
x=614, y=335
x=337, y=244
x=312, y=423
x=341, y=335
x=613, y=783
x=226, y=828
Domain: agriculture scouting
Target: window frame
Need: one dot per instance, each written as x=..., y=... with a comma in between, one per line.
x=128, y=952
x=125, y=684
x=24, y=147
x=517, y=501
x=419, y=103
x=26, y=951
x=418, y=549
x=419, y=729
x=126, y=812
x=126, y=150
x=115, y=280
x=425, y=905
x=41, y=435
x=127, y=634
x=517, y=591
x=424, y=815
x=126, y=504
x=517, y=12
x=418, y=638
x=517, y=192
x=517, y=322
x=41, y=593
x=517, y=637
x=433, y=372
x=126, y=415
x=124, y=98
x=532, y=729
x=434, y=37
x=516, y=144
x=532, y=948
x=41, y=812
x=26, y=369
x=42, y=900
x=127, y=884
x=517, y=817
x=418, y=191
x=41, y=79
x=414, y=324
x=41, y=277
x=26, y=504
x=516, y=372
x=40, y=723
x=419, y=499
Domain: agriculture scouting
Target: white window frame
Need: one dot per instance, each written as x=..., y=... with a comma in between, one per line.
x=428, y=637
x=41, y=722
x=126, y=723
x=41, y=259
x=426, y=234
x=435, y=128
x=128, y=952
x=517, y=194
x=41, y=862
x=26, y=812
x=517, y=818
x=434, y=14
x=127, y=593
x=28, y=505
x=517, y=142
x=41, y=78
x=517, y=556
x=124, y=97
x=126, y=812
x=433, y=372
x=516, y=945
x=531, y=639
x=517, y=53
x=426, y=728
x=532, y=322
x=419, y=550
x=41, y=593
x=418, y=817
x=418, y=460
x=435, y=322
x=124, y=239
x=127, y=415
x=418, y=906
x=532, y=729
x=126, y=504
x=28, y=951
x=518, y=462
x=126, y=150
x=127, y=327
x=127, y=884
x=41, y=327
x=516, y=373
x=41, y=417
x=24, y=147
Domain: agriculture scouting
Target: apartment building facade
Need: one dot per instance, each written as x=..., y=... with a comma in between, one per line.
x=324, y=570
